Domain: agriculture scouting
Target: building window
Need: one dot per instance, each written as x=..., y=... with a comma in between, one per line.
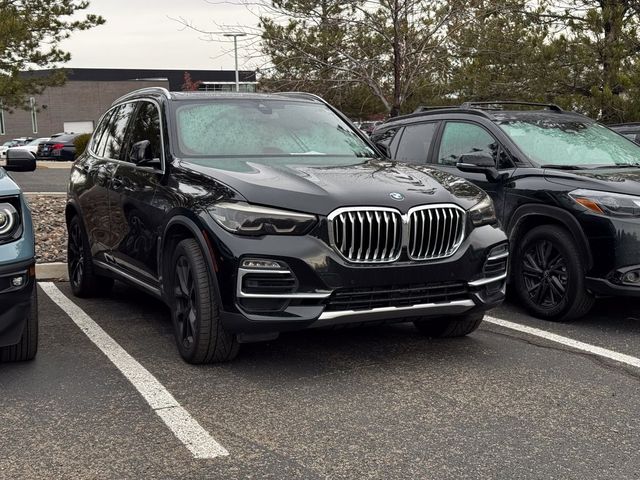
x=34, y=115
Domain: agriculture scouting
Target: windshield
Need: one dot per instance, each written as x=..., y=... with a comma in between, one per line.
x=266, y=128
x=571, y=143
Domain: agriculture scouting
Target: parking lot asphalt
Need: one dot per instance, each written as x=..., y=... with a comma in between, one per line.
x=378, y=402
x=48, y=177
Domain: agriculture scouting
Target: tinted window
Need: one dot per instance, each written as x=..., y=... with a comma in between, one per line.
x=116, y=131
x=145, y=126
x=415, y=143
x=98, y=134
x=461, y=138
x=265, y=128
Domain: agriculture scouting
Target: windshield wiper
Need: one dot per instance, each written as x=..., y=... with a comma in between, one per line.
x=561, y=167
x=618, y=165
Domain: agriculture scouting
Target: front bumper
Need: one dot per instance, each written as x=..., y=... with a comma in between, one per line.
x=615, y=248
x=319, y=275
x=15, y=302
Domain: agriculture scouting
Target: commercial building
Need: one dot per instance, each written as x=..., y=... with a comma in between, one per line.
x=78, y=104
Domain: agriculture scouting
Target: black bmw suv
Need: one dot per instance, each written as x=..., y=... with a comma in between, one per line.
x=251, y=214
x=566, y=189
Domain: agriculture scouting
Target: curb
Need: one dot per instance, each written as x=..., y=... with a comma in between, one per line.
x=52, y=271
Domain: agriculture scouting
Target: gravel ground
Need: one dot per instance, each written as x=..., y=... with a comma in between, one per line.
x=48, y=221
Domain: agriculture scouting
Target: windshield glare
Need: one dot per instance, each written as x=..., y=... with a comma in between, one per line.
x=576, y=143
x=266, y=128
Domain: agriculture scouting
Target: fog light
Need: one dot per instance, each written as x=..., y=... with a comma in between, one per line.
x=261, y=264
x=17, y=281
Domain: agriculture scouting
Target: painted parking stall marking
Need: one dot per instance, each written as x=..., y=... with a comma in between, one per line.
x=569, y=342
x=199, y=442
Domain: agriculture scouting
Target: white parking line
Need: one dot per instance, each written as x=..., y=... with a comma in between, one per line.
x=183, y=425
x=569, y=342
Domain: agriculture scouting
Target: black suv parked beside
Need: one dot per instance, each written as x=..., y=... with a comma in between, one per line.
x=566, y=189
x=250, y=214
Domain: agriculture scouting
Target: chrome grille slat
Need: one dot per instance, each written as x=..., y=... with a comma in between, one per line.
x=378, y=234
x=444, y=228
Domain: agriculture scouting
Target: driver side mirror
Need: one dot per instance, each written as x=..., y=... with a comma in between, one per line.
x=142, y=155
x=480, y=162
x=20, y=160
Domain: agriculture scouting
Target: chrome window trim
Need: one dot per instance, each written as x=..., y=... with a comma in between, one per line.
x=162, y=138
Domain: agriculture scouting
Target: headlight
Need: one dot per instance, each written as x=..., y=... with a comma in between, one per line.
x=9, y=220
x=246, y=219
x=605, y=203
x=483, y=213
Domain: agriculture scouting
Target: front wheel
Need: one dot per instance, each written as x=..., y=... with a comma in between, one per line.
x=27, y=348
x=549, y=275
x=449, y=327
x=200, y=335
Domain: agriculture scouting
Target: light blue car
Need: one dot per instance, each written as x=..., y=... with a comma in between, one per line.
x=18, y=300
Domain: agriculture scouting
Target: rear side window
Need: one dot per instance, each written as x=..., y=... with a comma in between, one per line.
x=99, y=133
x=113, y=138
x=145, y=126
x=415, y=143
x=461, y=138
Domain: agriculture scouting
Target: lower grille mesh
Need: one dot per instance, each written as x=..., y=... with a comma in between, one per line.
x=396, y=296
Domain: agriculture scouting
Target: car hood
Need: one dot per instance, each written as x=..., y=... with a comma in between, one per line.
x=619, y=180
x=321, y=189
x=7, y=185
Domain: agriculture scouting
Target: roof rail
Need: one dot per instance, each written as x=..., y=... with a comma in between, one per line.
x=307, y=95
x=488, y=105
x=426, y=108
x=142, y=91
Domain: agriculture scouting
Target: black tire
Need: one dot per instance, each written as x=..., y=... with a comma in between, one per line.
x=27, y=348
x=85, y=282
x=200, y=335
x=548, y=275
x=449, y=327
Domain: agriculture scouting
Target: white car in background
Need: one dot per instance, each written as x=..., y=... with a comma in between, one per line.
x=16, y=142
x=32, y=146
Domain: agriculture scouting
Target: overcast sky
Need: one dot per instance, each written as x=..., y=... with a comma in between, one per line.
x=140, y=34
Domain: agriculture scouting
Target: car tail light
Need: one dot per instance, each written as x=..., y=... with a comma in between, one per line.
x=57, y=146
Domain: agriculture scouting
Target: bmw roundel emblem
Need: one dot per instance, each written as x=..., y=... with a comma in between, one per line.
x=396, y=196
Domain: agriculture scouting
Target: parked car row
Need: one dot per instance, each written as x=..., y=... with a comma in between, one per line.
x=256, y=214
x=59, y=146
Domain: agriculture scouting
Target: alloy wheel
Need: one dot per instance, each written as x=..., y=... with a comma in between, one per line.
x=75, y=254
x=544, y=271
x=185, y=302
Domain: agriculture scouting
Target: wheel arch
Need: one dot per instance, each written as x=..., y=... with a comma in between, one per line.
x=177, y=229
x=530, y=216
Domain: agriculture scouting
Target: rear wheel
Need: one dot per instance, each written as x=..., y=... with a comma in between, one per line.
x=549, y=275
x=200, y=335
x=82, y=277
x=27, y=348
x=448, y=327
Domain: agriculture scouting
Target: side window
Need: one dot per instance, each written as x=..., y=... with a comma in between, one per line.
x=145, y=126
x=415, y=142
x=99, y=133
x=461, y=138
x=117, y=130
